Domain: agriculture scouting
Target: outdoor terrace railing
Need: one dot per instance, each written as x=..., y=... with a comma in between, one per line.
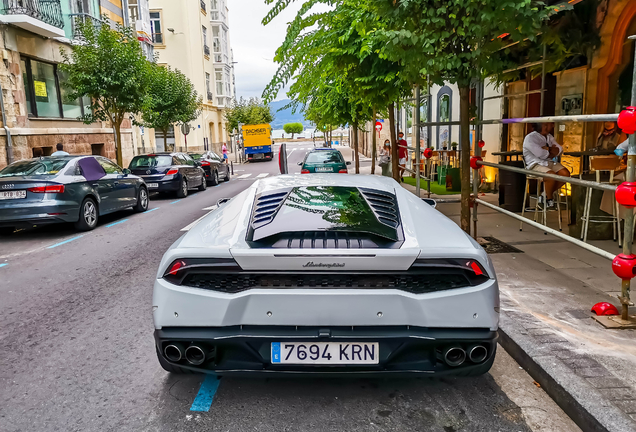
x=47, y=11
x=78, y=18
x=206, y=50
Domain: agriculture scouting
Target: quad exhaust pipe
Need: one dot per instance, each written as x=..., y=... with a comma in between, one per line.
x=199, y=354
x=477, y=353
x=174, y=352
x=453, y=355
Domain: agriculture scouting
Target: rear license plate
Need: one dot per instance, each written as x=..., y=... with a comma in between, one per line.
x=337, y=353
x=19, y=194
x=153, y=185
x=324, y=169
x=259, y=156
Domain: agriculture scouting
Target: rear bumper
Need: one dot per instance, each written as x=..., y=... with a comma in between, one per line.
x=402, y=349
x=164, y=186
x=40, y=213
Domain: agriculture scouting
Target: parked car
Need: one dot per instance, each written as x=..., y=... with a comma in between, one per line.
x=169, y=172
x=323, y=160
x=76, y=189
x=326, y=274
x=213, y=166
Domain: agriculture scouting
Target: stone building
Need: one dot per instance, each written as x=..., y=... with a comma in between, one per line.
x=37, y=114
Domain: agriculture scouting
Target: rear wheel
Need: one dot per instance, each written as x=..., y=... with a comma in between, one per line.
x=88, y=215
x=170, y=367
x=214, y=178
x=183, y=189
x=142, y=200
x=204, y=184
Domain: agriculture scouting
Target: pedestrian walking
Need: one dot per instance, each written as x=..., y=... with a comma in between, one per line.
x=385, y=159
x=403, y=154
x=224, y=150
x=60, y=150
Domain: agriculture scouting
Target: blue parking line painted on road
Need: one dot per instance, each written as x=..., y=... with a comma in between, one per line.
x=152, y=209
x=174, y=202
x=204, y=398
x=116, y=223
x=64, y=242
x=4, y=264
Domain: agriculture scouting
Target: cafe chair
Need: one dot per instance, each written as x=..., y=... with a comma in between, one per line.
x=602, y=164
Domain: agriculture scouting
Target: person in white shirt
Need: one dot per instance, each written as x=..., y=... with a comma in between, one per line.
x=60, y=150
x=540, y=151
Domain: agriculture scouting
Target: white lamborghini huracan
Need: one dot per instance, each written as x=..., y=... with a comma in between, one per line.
x=329, y=274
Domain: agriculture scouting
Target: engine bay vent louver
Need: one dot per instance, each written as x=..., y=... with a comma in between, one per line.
x=265, y=208
x=328, y=240
x=384, y=205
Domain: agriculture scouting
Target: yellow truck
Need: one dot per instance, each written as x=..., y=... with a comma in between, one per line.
x=257, y=142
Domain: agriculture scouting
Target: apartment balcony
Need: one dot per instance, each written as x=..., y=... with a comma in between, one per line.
x=42, y=17
x=203, y=7
x=78, y=18
x=210, y=96
x=206, y=50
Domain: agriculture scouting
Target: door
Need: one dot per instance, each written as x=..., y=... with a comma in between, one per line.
x=124, y=194
x=97, y=180
x=220, y=166
x=195, y=172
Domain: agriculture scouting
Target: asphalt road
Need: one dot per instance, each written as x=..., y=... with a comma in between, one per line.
x=77, y=350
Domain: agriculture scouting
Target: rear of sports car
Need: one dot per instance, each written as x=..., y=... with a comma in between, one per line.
x=328, y=275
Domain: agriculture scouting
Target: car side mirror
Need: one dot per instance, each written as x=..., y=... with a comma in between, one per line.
x=348, y=162
x=430, y=202
x=300, y=163
x=126, y=171
x=222, y=201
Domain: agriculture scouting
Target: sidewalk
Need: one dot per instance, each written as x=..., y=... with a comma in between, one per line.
x=548, y=287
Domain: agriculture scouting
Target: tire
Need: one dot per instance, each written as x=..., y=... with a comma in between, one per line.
x=183, y=189
x=204, y=184
x=227, y=175
x=6, y=231
x=215, y=178
x=88, y=216
x=172, y=368
x=142, y=200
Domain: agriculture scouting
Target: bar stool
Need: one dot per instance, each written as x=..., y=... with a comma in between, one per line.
x=601, y=164
x=540, y=192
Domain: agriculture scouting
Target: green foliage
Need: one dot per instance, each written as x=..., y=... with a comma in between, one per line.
x=248, y=112
x=172, y=99
x=293, y=128
x=109, y=67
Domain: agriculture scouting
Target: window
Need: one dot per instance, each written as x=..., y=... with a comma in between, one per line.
x=46, y=94
x=205, y=35
x=35, y=167
x=82, y=6
x=207, y=82
x=216, y=40
x=133, y=10
x=227, y=83
x=188, y=160
x=155, y=25
x=214, y=5
x=150, y=161
x=109, y=166
x=218, y=75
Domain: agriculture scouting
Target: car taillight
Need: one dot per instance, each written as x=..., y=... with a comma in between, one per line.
x=304, y=171
x=181, y=267
x=175, y=267
x=205, y=163
x=47, y=189
x=476, y=268
x=172, y=172
x=343, y=171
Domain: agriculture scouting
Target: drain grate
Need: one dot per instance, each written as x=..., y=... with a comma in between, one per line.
x=494, y=246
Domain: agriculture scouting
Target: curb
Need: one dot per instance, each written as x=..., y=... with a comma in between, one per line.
x=543, y=354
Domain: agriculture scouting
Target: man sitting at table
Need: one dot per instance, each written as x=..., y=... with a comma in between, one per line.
x=540, y=151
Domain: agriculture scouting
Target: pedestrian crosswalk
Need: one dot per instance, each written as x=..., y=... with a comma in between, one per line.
x=249, y=176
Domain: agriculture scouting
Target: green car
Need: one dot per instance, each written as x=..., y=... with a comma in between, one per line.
x=323, y=160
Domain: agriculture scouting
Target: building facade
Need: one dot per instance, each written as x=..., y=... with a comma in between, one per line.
x=194, y=37
x=37, y=114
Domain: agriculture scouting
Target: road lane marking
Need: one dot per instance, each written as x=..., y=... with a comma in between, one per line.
x=64, y=242
x=262, y=175
x=174, y=202
x=4, y=264
x=244, y=176
x=152, y=209
x=204, y=398
x=116, y=223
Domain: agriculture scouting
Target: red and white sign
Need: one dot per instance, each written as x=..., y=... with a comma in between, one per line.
x=378, y=126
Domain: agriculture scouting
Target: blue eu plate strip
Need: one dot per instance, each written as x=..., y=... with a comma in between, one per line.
x=275, y=352
x=204, y=398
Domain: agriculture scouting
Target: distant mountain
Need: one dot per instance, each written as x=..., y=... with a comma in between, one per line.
x=286, y=116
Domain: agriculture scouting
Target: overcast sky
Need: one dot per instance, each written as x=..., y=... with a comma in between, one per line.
x=254, y=45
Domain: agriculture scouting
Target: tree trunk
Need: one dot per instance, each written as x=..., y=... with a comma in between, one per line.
x=373, y=144
x=394, y=150
x=118, y=149
x=292, y=136
x=165, y=139
x=355, y=147
x=464, y=119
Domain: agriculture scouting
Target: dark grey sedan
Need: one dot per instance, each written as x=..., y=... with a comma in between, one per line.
x=76, y=189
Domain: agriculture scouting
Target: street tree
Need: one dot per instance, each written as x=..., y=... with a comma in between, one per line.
x=293, y=128
x=457, y=41
x=172, y=100
x=107, y=66
x=248, y=112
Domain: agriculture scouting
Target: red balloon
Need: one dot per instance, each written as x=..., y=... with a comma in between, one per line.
x=627, y=120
